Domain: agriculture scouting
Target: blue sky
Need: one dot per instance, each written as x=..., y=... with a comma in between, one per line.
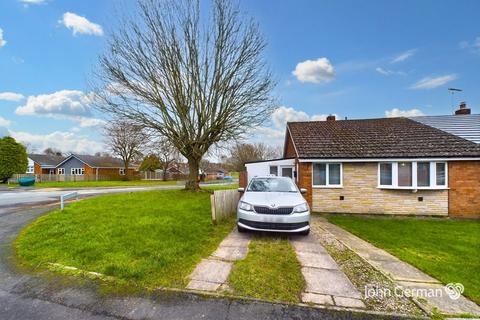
x=355, y=59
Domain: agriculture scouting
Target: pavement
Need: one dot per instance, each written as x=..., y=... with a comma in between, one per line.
x=404, y=275
x=38, y=296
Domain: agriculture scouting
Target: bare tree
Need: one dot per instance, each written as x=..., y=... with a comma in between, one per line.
x=241, y=153
x=52, y=152
x=196, y=79
x=166, y=153
x=125, y=140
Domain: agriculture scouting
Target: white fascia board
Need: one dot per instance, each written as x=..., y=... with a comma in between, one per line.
x=388, y=159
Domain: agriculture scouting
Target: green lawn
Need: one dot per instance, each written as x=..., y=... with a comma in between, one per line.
x=152, y=238
x=271, y=271
x=448, y=250
x=83, y=184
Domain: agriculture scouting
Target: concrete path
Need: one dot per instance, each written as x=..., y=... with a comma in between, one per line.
x=326, y=283
x=404, y=274
x=211, y=274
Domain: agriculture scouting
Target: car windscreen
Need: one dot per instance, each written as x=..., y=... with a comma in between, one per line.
x=272, y=185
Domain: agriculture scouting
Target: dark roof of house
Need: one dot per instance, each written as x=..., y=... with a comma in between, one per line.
x=46, y=159
x=376, y=138
x=466, y=126
x=100, y=162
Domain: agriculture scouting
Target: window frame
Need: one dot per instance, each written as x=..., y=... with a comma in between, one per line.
x=74, y=172
x=433, y=176
x=327, y=184
x=30, y=169
x=121, y=171
x=61, y=171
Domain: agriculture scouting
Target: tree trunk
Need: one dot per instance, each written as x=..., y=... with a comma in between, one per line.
x=126, y=171
x=164, y=171
x=192, y=181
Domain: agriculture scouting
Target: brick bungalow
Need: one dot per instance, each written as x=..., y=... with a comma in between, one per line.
x=93, y=167
x=395, y=166
x=43, y=163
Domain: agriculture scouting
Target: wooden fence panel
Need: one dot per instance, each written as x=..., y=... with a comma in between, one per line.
x=224, y=204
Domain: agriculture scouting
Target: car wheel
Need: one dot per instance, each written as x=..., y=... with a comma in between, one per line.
x=241, y=229
x=305, y=232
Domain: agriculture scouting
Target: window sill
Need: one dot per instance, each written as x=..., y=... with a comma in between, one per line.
x=327, y=187
x=412, y=188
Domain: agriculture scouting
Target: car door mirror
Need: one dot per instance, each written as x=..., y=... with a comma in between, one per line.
x=241, y=189
x=303, y=190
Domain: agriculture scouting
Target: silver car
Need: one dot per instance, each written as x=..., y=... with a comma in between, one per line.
x=273, y=204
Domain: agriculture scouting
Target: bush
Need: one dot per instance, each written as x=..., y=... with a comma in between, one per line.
x=13, y=158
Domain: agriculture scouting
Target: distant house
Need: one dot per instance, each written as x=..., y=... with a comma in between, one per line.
x=399, y=166
x=43, y=163
x=93, y=166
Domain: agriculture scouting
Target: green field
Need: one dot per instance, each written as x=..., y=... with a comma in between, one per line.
x=448, y=250
x=151, y=239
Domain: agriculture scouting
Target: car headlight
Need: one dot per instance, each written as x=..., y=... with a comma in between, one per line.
x=301, y=208
x=245, y=206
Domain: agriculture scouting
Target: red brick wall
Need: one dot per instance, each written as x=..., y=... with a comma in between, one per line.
x=289, y=151
x=464, y=193
x=243, y=179
x=305, y=180
x=37, y=169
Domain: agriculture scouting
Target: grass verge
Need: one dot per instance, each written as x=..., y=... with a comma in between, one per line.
x=149, y=239
x=93, y=184
x=270, y=271
x=448, y=250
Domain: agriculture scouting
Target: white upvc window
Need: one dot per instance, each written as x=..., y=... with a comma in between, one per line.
x=327, y=175
x=61, y=171
x=121, y=171
x=274, y=170
x=412, y=175
x=77, y=171
x=30, y=169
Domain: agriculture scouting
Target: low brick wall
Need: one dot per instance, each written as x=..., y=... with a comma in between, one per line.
x=361, y=195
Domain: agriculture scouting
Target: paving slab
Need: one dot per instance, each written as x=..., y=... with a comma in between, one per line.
x=235, y=242
x=331, y=282
x=307, y=246
x=316, y=260
x=230, y=253
x=349, y=302
x=323, y=299
x=203, y=285
x=212, y=271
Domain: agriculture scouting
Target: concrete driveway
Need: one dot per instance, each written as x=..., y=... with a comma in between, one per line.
x=32, y=296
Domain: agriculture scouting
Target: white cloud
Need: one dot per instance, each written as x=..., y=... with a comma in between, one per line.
x=64, y=141
x=2, y=40
x=4, y=122
x=276, y=133
x=473, y=45
x=81, y=24
x=433, y=82
x=404, y=56
x=27, y=2
x=388, y=72
x=395, y=112
x=11, y=96
x=65, y=104
x=314, y=71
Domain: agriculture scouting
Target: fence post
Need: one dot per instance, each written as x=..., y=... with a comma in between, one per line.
x=212, y=202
